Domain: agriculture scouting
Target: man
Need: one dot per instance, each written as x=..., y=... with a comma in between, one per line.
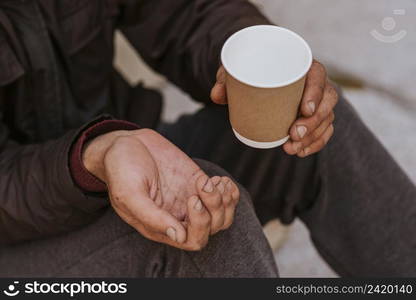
x=57, y=172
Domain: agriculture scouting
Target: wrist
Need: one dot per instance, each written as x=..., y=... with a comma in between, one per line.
x=95, y=151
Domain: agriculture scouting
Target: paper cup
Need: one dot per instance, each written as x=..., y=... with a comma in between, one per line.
x=266, y=68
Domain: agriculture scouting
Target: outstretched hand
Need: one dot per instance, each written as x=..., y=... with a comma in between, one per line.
x=159, y=190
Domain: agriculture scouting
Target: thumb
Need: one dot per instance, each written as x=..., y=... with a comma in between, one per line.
x=218, y=92
x=158, y=220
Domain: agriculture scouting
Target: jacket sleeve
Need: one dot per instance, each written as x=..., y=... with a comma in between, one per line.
x=182, y=39
x=38, y=194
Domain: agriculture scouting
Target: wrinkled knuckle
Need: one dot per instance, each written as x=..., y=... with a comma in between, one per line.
x=199, y=176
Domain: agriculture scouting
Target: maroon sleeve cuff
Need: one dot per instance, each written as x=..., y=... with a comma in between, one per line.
x=84, y=179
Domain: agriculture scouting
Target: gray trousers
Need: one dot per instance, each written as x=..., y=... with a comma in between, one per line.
x=359, y=206
x=111, y=248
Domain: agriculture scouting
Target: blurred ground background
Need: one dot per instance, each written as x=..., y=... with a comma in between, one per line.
x=349, y=37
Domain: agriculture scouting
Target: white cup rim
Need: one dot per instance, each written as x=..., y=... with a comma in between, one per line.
x=290, y=81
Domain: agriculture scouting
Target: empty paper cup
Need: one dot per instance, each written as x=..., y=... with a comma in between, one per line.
x=266, y=68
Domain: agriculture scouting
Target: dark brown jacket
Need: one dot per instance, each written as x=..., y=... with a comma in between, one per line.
x=55, y=81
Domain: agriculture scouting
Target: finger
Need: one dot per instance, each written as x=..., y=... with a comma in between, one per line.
x=314, y=89
x=212, y=199
x=316, y=134
x=221, y=75
x=220, y=187
x=229, y=202
x=156, y=236
x=162, y=238
x=219, y=94
x=143, y=210
x=305, y=126
x=235, y=193
x=215, y=180
x=318, y=144
x=199, y=226
x=292, y=147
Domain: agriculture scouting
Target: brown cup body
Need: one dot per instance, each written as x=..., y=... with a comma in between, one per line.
x=263, y=114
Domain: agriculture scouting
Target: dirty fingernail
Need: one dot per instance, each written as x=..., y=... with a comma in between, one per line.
x=198, y=205
x=209, y=187
x=307, y=150
x=312, y=107
x=301, y=131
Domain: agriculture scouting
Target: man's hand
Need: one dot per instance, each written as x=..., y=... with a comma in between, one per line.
x=159, y=190
x=313, y=129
